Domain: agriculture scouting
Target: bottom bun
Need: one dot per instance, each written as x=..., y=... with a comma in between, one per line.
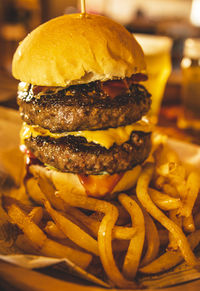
x=70, y=183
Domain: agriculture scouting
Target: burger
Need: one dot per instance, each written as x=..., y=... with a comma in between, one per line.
x=83, y=105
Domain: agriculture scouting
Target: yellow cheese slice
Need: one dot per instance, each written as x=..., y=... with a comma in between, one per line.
x=106, y=138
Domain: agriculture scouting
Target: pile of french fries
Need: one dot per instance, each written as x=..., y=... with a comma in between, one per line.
x=151, y=229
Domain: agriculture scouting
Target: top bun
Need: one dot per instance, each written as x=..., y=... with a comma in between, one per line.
x=76, y=49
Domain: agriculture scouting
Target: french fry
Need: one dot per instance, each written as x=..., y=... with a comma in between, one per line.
x=170, y=259
x=57, y=250
x=24, y=222
x=48, y=189
x=159, y=182
x=192, y=188
x=119, y=232
x=134, y=252
x=164, y=169
x=52, y=230
x=105, y=249
x=33, y=190
x=188, y=224
x=176, y=170
x=152, y=238
x=40, y=241
x=91, y=223
x=164, y=201
x=24, y=244
x=123, y=232
x=144, y=198
x=170, y=190
x=178, y=221
x=72, y=231
x=36, y=214
x=175, y=174
x=7, y=201
x=181, y=187
x=164, y=154
x=70, y=215
x=169, y=166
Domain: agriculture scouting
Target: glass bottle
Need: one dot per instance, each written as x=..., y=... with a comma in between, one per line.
x=190, y=66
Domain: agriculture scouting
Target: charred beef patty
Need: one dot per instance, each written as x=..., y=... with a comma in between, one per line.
x=76, y=155
x=82, y=107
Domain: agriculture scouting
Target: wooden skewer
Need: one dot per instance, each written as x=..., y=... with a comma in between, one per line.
x=83, y=6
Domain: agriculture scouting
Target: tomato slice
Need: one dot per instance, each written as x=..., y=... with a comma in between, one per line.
x=99, y=185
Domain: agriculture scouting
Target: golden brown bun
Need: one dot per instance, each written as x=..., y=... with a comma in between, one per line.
x=70, y=183
x=75, y=49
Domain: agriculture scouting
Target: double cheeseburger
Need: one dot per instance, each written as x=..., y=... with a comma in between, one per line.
x=83, y=105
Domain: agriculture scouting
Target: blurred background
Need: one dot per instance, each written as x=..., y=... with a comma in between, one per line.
x=176, y=19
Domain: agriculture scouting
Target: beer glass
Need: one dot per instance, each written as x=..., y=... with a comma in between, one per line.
x=158, y=60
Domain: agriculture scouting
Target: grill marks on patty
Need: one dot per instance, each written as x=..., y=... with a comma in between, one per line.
x=76, y=155
x=83, y=107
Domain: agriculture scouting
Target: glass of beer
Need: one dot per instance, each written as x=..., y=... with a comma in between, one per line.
x=157, y=51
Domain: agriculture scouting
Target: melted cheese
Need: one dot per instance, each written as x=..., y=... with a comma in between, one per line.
x=105, y=138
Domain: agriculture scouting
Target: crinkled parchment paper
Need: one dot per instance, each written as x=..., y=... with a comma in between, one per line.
x=11, y=171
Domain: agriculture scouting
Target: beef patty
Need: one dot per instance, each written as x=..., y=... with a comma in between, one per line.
x=76, y=155
x=82, y=107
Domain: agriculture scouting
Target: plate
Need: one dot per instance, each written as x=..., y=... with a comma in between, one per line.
x=23, y=279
